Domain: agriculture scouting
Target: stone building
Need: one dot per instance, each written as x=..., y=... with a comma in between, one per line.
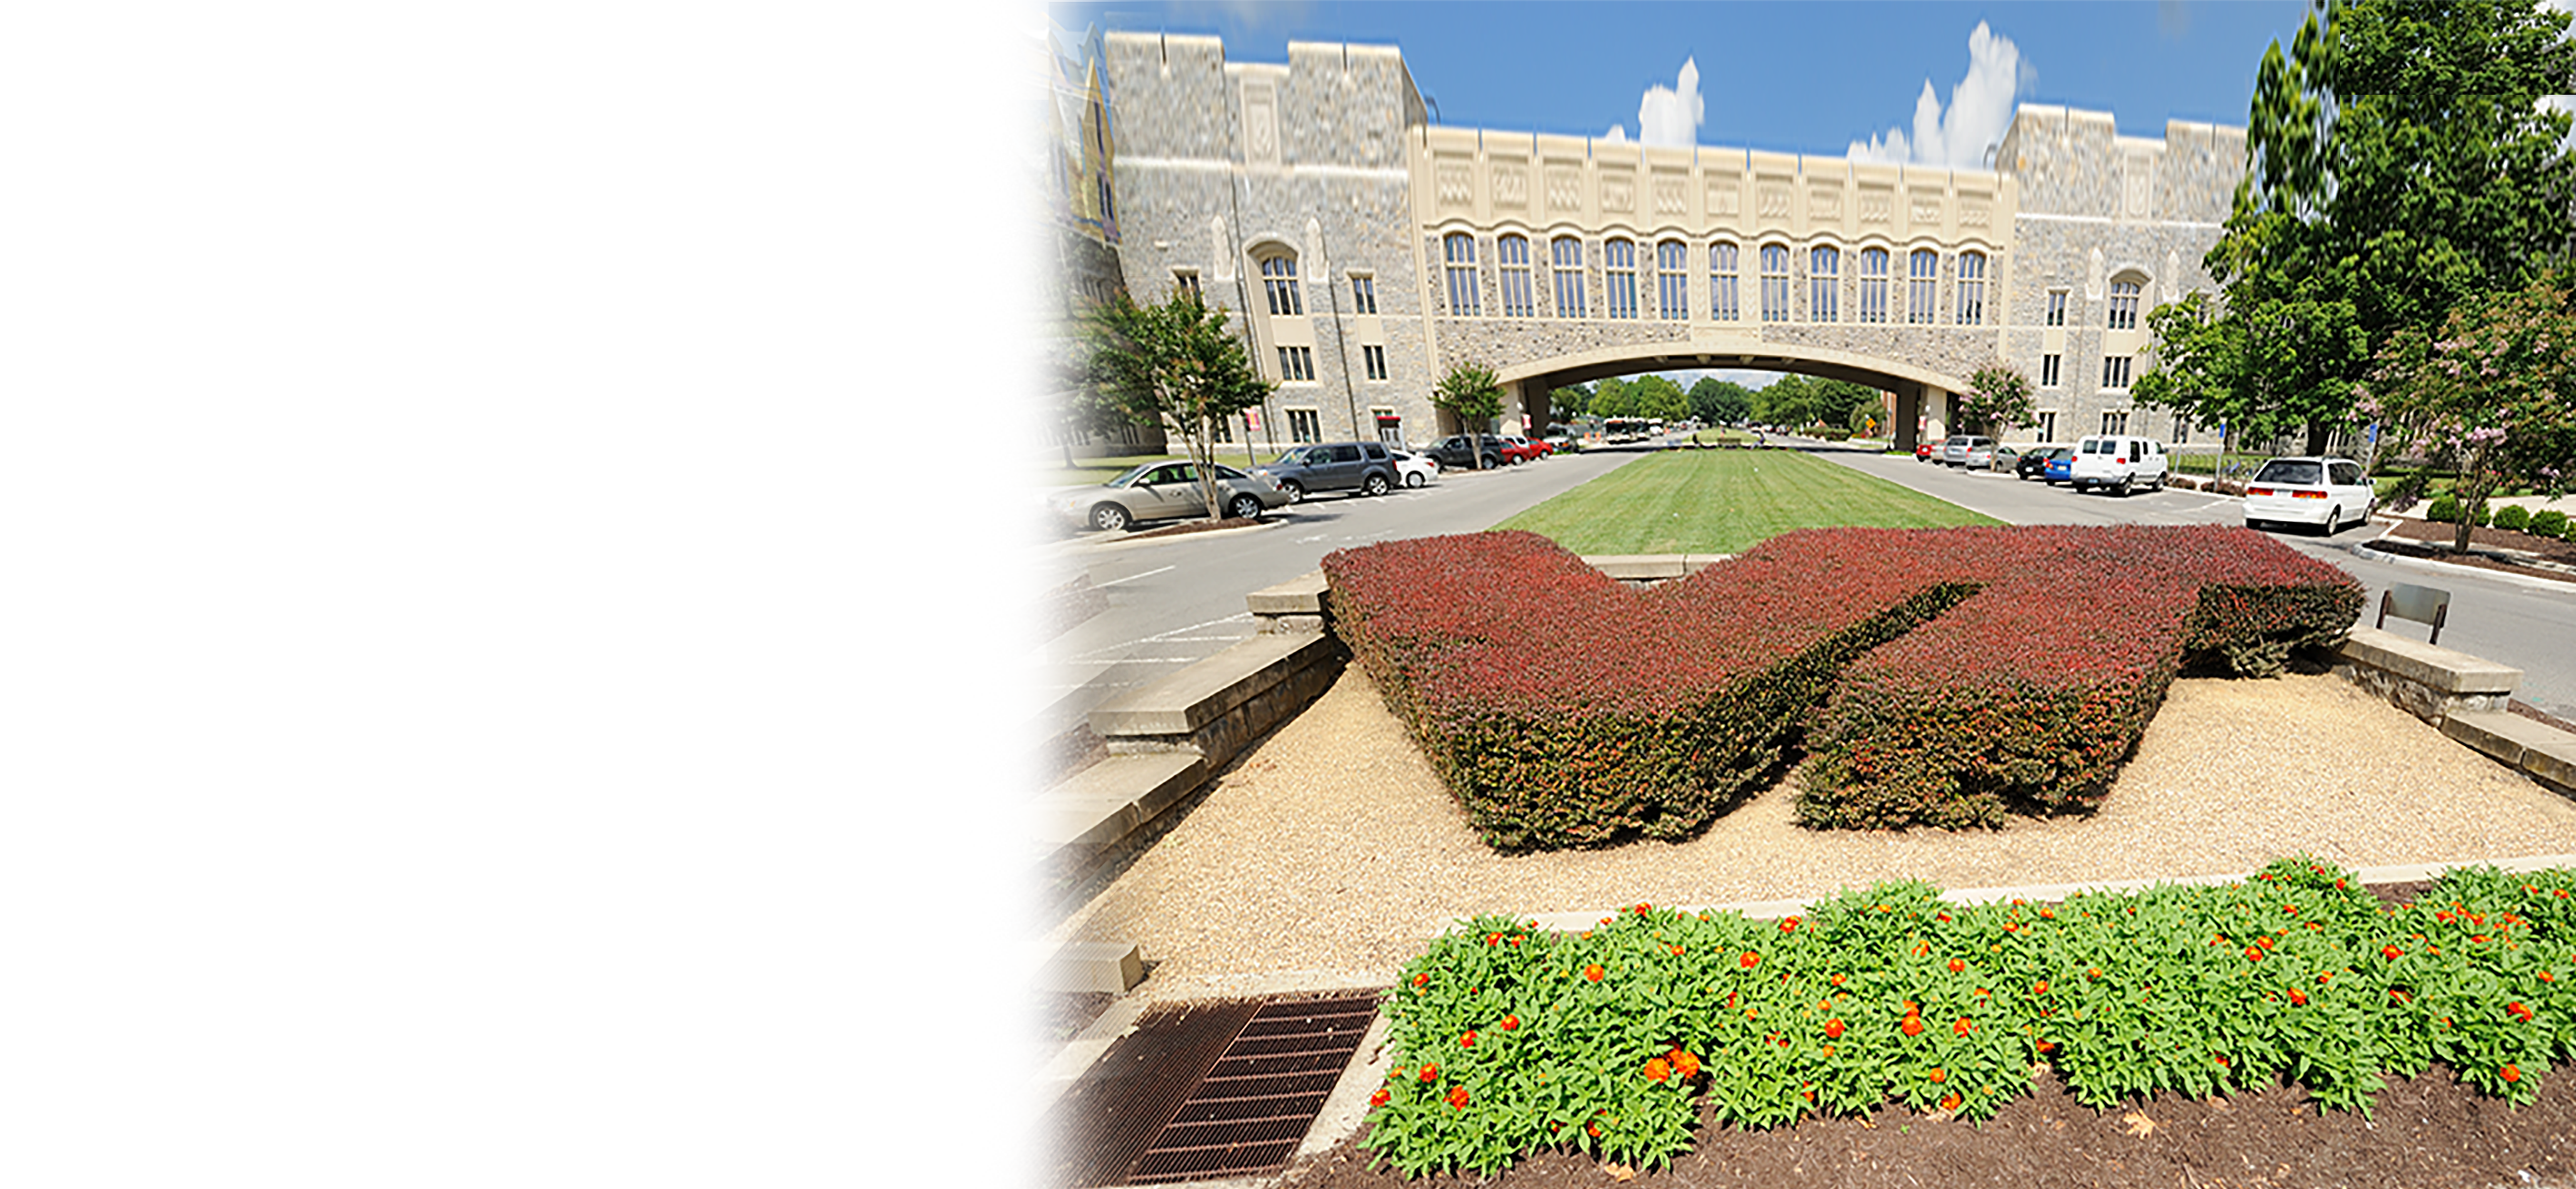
x=1365, y=251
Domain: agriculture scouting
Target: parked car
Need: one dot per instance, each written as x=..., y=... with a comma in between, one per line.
x=1925, y=450
x=2326, y=492
x=1332, y=466
x=2060, y=467
x=1981, y=457
x=2036, y=460
x=1533, y=447
x=1417, y=469
x=2119, y=463
x=1162, y=491
x=1454, y=452
x=1954, y=452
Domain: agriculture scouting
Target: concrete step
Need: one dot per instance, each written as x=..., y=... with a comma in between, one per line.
x=1078, y=966
x=1109, y=800
x=2537, y=750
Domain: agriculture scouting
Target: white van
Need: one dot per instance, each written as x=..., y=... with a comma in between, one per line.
x=2117, y=462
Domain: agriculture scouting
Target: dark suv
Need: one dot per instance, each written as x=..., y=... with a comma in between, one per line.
x=1363, y=467
x=1453, y=453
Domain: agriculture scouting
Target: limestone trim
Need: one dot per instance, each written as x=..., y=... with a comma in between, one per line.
x=1717, y=347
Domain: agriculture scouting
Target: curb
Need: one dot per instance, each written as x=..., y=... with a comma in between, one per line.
x=2363, y=551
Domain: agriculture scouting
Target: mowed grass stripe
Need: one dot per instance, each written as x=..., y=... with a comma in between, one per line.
x=1726, y=501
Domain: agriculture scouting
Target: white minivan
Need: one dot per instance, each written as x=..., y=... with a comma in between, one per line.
x=2118, y=463
x=2326, y=492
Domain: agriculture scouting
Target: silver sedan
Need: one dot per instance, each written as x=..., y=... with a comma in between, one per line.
x=1163, y=491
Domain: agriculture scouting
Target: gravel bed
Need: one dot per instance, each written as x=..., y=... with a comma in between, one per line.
x=1329, y=854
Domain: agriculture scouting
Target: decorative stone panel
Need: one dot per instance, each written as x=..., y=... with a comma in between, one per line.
x=1565, y=188
x=1511, y=186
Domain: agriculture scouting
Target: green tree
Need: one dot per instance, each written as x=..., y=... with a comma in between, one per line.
x=1571, y=403
x=1173, y=364
x=1838, y=402
x=1472, y=395
x=1720, y=402
x=2495, y=395
x=1997, y=396
x=2399, y=164
x=1783, y=402
x=1610, y=398
x=1658, y=396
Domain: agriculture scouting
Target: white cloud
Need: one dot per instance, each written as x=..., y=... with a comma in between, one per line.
x=1980, y=111
x=1671, y=115
x=1667, y=115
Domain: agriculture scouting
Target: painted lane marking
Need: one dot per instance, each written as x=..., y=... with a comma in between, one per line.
x=1133, y=577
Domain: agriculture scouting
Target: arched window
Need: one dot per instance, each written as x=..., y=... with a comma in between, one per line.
x=2124, y=305
x=1922, y=282
x=1824, y=282
x=1619, y=258
x=1775, y=283
x=1721, y=281
x=1565, y=261
x=1514, y=251
x=1459, y=251
x=1672, y=280
x=1972, y=289
x=1873, y=285
x=1279, y=285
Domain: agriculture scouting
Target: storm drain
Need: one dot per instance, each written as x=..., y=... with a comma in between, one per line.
x=1248, y=1114
x=1208, y=1090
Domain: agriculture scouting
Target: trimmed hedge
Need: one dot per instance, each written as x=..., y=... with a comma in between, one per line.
x=2513, y=516
x=2548, y=522
x=1564, y=710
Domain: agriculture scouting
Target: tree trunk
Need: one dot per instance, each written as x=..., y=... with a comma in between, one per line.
x=2318, y=431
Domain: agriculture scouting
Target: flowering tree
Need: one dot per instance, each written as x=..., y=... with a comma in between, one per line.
x=1472, y=394
x=1997, y=396
x=1173, y=363
x=2495, y=395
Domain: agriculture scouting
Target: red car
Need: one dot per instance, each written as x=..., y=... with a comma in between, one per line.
x=1518, y=449
x=1924, y=451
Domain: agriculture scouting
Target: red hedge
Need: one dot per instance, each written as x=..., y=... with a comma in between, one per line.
x=1951, y=672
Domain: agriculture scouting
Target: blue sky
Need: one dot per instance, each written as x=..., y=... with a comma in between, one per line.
x=1792, y=77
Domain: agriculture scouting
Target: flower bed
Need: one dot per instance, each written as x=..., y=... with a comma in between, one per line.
x=1509, y=1040
x=1564, y=710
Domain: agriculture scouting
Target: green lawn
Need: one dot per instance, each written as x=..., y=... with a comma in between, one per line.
x=1724, y=501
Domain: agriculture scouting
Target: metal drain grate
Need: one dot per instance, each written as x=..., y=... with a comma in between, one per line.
x=1248, y=1113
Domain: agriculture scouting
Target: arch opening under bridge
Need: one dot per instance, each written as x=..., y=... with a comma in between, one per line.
x=1921, y=393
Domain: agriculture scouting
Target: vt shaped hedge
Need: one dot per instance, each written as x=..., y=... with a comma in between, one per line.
x=1942, y=675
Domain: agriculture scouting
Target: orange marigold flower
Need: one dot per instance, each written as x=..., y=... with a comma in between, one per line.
x=1789, y=925
x=1963, y=1027
x=1458, y=1097
x=1750, y=960
x=1950, y=1101
x=1938, y=1074
x=1834, y=1029
x=1430, y=1073
x=2510, y=1073
x=2518, y=1011
x=1378, y=1099
x=1688, y=1065
x=2298, y=996
x=2047, y=1046
x=1656, y=1070
x=1956, y=966
x=1592, y=973
x=1913, y=1026
x=2253, y=954
x=2040, y=987
x=1468, y=1041
x=1511, y=1022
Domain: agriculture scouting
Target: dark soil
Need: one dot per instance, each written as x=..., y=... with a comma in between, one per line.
x=1193, y=526
x=2427, y=1132
x=2489, y=548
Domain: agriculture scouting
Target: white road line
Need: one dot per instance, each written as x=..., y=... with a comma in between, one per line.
x=1133, y=577
x=1158, y=637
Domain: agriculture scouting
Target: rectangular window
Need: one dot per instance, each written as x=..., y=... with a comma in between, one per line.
x=1873, y=285
x=1721, y=282
x=2114, y=423
x=2115, y=371
x=1972, y=289
x=1459, y=252
x=1187, y=281
x=1565, y=261
x=1775, y=283
x=1516, y=276
x=1922, y=283
x=1279, y=285
x=1390, y=428
x=1672, y=280
x=1619, y=261
x=1305, y=426
x=2057, y=307
x=2048, y=371
x=1296, y=363
x=2048, y=427
x=1375, y=356
x=1824, y=283
x=2124, y=305
x=1363, y=295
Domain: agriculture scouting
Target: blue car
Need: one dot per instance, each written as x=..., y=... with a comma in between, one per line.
x=2059, y=469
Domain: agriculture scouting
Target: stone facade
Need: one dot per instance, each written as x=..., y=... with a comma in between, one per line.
x=1328, y=165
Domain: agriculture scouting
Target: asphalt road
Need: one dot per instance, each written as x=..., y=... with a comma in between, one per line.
x=2529, y=623
x=1175, y=600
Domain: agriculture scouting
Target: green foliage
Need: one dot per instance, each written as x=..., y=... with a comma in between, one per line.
x=2548, y=522
x=1720, y=402
x=2513, y=516
x=1172, y=364
x=1511, y=1039
x=1658, y=396
x=1610, y=398
x=1571, y=403
x=1471, y=393
x=1809, y=400
x=2400, y=164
